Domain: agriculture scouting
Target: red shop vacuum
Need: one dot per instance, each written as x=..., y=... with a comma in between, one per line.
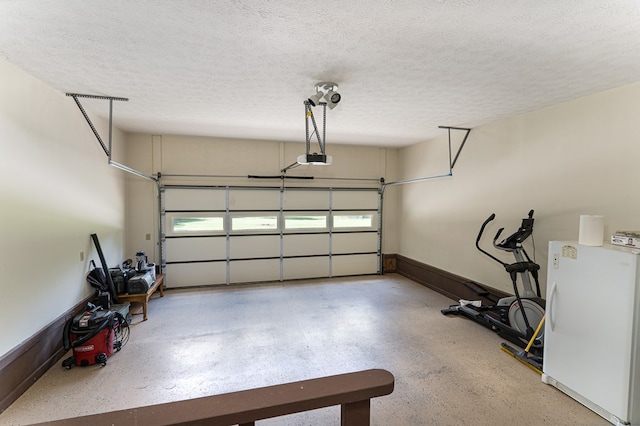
x=94, y=336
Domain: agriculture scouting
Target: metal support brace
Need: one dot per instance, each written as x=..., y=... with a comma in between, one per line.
x=464, y=140
x=107, y=149
x=308, y=113
x=451, y=163
x=75, y=97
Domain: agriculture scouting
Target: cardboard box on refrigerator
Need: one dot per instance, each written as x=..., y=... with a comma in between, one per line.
x=627, y=239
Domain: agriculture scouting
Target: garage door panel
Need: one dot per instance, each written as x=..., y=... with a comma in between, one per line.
x=196, y=274
x=360, y=264
x=253, y=199
x=194, y=199
x=354, y=242
x=346, y=200
x=311, y=267
x=306, y=200
x=305, y=245
x=196, y=248
x=254, y=246
x=246, y=271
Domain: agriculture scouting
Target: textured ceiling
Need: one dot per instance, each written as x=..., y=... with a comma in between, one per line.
x=242, y=68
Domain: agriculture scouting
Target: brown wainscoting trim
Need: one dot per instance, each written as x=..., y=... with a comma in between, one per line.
x=451, y=285
x=27, y=362
x=389, y=263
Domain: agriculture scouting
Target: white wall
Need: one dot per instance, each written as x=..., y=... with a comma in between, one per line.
x=186, y=155
x=55, y=190
x=579, y=157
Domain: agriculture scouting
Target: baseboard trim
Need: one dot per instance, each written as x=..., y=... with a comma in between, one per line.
x=27, y=362
x=451, y=285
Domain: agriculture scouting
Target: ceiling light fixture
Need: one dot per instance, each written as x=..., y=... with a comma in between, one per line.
x=326, y=90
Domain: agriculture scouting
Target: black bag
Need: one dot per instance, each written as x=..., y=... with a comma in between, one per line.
x=97, y=278
x=119, y=278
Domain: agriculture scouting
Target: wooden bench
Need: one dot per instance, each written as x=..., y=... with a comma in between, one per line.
x=144, y=297
x=352, y=391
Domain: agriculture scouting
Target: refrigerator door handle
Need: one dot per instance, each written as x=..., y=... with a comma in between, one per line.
x=550, y=310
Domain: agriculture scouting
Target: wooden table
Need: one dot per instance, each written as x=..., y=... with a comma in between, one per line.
x=144, y=297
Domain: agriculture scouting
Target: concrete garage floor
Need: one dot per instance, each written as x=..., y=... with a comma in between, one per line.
x=198, y=342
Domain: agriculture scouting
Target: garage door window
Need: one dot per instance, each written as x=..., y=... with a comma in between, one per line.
x=354, y=221
x=301, y=222
x=195, y=224
x=254, y=223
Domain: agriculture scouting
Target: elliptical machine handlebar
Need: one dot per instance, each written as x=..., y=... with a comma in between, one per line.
x=486, y=222
x=493, y=216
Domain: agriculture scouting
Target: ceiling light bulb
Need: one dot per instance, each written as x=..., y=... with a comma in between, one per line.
x=332, y=98
x=315, y=99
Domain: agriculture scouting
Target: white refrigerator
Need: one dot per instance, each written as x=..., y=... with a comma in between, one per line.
x=591, y=339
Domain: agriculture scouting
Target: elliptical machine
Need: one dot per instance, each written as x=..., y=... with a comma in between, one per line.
x=514, y=318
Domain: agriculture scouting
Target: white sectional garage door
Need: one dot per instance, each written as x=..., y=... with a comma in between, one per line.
x=226, y=235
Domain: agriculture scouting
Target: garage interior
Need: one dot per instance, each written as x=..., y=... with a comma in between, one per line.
x=449, y=111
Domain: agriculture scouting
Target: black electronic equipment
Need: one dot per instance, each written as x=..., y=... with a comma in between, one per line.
x=140, y=283
x=120, y=278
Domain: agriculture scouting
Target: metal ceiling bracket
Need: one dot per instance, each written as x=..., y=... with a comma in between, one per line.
x=309, y=115
x=76, y=97
x=451, y=163
x=107, y=149
x=464, y=140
